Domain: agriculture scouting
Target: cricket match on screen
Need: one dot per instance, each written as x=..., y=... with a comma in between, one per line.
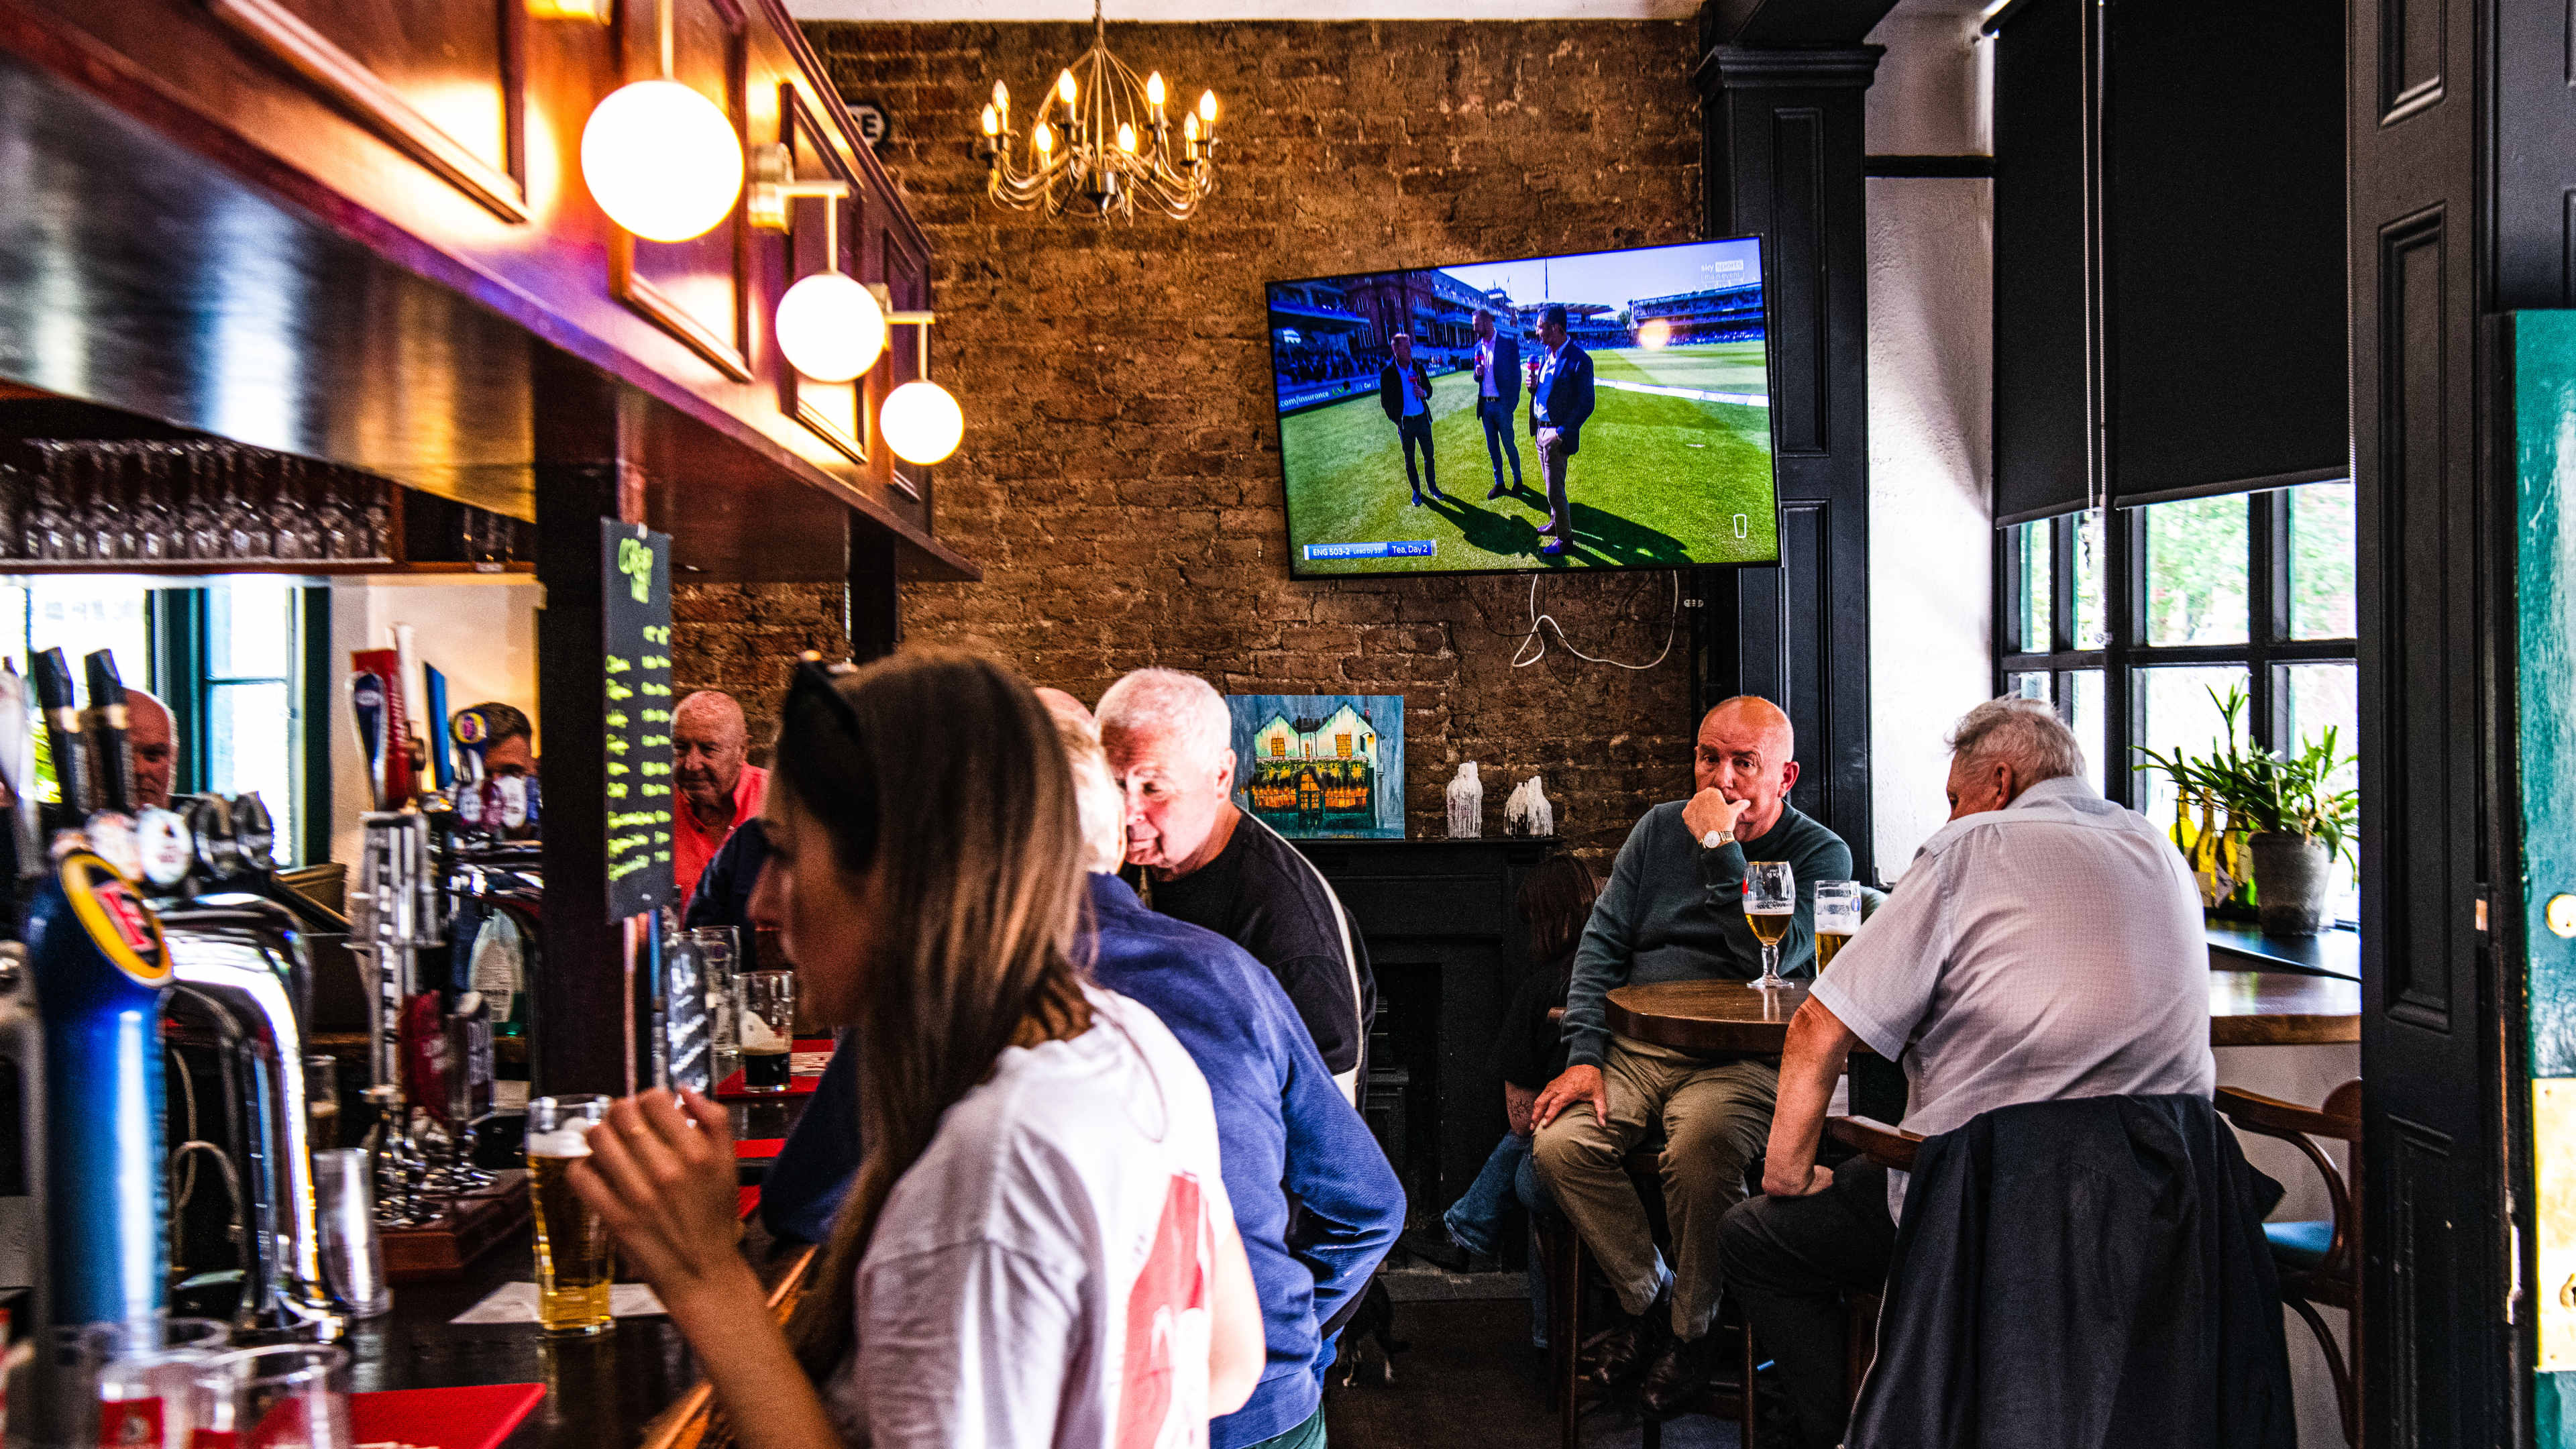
x=1600, y=410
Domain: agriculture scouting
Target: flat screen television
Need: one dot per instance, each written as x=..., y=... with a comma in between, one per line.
x=1670, y=467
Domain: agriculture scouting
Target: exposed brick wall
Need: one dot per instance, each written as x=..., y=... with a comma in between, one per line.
x=740, y=638
x=1119, y=481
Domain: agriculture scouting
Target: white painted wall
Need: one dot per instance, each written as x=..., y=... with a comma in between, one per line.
x=1931, y=267
x=482, y=636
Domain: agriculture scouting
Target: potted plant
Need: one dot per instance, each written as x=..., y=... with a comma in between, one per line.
x=2300, y=822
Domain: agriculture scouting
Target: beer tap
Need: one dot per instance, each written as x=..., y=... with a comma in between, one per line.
x=65, y=747
x=111, y=821
x=393, y=915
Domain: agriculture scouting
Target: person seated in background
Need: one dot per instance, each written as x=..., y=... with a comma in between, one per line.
x=717, y=786
x=1556, y=900
x=154, y=743
x=1674, y=911
x=1170, y=743
x=2045, y=944
x=1314, y=1198
x=1039, y=1248
x=511, y=746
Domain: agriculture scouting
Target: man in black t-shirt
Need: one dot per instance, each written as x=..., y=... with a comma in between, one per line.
x=1169, y=740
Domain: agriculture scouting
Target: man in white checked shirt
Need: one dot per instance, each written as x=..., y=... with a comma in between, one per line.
x=2046, y=944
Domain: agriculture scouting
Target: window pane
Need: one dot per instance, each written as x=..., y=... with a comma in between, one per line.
x=2181, y=716
x=250, y=737
x=250, y=629
x=2026, y=686
x=2321, y=561
x=2322, y=697
x=2092, y=624
x=2196, y=572
x=80, y=615
x=2034, y=610
x=2084, y=716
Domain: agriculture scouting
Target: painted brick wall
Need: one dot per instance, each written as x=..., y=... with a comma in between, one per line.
x=1120, y=477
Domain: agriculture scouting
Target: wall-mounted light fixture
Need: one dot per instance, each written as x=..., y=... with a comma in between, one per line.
x=597, y=12
x=661, y=159
x=831, y=328
x=920, y=420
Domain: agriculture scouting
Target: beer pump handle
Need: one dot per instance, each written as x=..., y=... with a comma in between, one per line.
x=61, y=705
x=367, y=708
x=107, y=732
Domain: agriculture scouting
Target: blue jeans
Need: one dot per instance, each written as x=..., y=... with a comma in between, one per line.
x=1497, y=418
x=1475, y=1220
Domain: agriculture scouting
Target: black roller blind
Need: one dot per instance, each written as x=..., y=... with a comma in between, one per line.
x=2040, y=365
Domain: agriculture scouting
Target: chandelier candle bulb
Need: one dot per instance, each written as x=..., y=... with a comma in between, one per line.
x=992, y=123
x=1154, y=92
x=1127, y=138
x=1207, y=110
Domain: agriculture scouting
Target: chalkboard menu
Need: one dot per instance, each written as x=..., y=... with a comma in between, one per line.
x=635, y=614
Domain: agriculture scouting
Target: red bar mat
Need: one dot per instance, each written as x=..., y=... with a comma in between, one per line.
x=746, y=1201
x=477, y=1417
x=757, y=1149
x=730, y=1089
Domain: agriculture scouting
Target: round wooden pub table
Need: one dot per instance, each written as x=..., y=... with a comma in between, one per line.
x=2246, y=1008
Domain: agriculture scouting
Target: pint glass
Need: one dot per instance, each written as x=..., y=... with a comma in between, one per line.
x=1837, y=917
x=573, y=1269
x=768, y=1024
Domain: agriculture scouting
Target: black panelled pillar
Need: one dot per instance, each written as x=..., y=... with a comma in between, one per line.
x=1783, y=149
x=589, y=1022
x=875, y=618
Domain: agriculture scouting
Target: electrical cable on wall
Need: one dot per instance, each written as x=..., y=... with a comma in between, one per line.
x=1537, y=620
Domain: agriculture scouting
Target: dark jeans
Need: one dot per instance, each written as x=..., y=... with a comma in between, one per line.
x=1497, y=418
x=1416, y=432
x=1475, y=1220
x=1789, y=1260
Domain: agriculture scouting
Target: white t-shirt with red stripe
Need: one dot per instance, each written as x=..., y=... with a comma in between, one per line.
x=1042, y=1275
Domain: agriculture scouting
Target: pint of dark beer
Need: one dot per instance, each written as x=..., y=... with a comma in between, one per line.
x=767, y=1020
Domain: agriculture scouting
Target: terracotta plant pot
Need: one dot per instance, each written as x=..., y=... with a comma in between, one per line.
x=2290, y=874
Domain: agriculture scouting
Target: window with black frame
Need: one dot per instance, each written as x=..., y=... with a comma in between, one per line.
x=2129, y=628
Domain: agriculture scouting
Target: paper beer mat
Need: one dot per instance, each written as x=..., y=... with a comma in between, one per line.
x=517, y=1303
x=757, y=1149
x=476, y=1417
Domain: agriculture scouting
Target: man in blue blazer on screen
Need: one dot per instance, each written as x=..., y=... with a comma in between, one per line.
x=1498, y=395
x=1560, y=400
x=1404, y=390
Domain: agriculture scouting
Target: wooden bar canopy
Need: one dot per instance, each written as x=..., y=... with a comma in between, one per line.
x=347, y=229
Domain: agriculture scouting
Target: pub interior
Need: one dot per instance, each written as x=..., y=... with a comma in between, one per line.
x=1765, y=722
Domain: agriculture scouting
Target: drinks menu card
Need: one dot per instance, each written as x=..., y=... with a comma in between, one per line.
x=635, y=614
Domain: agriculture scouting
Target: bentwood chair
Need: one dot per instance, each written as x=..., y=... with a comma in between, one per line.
x=2319, y=1261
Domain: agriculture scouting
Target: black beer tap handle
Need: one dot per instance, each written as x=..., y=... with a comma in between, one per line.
x=56, y=696
x=115, y=763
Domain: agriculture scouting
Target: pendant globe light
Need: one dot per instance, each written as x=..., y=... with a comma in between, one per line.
x=830, y=326
x=921, y=422
x=660, y=158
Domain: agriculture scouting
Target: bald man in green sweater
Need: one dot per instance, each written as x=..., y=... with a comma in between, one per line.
x=1674, y=911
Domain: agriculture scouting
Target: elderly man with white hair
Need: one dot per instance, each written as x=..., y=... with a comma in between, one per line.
x=2045, y=944
x=1170, y=745
x=1314, y=1199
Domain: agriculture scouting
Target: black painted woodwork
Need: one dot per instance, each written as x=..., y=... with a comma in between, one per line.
x=2461, y=130
x=874, y=600
x=1443, y=918
x=2043, y=405
x=1782, y=138
x=590, y=1014
x=2169, y=294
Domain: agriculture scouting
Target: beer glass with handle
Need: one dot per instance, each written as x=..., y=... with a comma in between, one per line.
x=1770, y=904
x=573, y=1269
x=1838, y=909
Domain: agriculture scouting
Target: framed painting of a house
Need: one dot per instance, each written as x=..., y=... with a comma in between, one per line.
x=1321, y=765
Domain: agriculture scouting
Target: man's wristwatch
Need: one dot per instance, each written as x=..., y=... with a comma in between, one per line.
x=1716, y=838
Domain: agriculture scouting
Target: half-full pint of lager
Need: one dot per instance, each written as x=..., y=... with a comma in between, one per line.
x=767, y=1018
x=573, y=1267
x=1837, y=917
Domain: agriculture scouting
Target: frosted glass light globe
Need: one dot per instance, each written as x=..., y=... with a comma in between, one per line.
x=921, y=422
x=662, y=160
x=830, y=327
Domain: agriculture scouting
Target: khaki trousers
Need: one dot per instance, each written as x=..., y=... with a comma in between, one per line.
x=1715, y=1116
x=1552, y=459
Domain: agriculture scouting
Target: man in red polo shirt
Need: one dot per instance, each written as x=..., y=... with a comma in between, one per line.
x=717, y=790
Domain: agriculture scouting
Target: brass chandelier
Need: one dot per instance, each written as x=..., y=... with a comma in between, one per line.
x=1101, y=139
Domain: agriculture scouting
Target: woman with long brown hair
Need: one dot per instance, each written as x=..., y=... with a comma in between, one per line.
x=1037, y=1248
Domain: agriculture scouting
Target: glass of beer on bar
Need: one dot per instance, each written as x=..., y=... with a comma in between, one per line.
x=573, y=1268
x=1770, y=904
x=767, y=1020
x=1837, y=917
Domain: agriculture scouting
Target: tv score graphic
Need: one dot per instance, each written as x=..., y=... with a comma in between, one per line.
x=635, y=619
